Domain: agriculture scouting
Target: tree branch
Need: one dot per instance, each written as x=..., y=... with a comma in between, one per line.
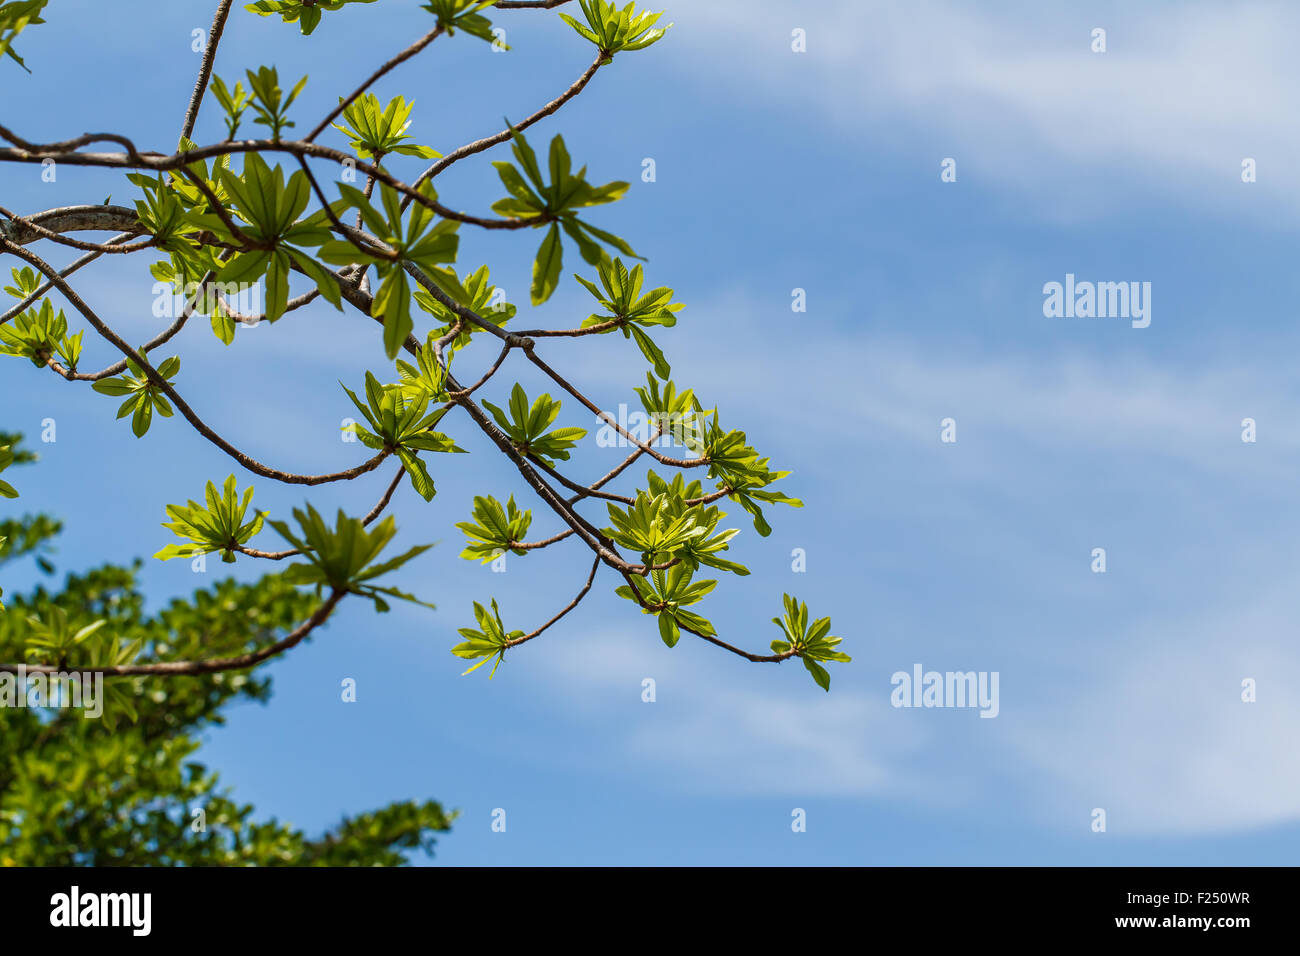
x=205, y=68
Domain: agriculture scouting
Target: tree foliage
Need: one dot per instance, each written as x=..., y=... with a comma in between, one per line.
x=279, y=211
x=126, y=789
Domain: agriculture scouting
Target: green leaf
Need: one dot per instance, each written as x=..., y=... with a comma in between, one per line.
x=306, y=13
x=651, y=352
x=546, y=267
x=223, y=326
x=7, y=490
x=668, y=629
x=819, y=673
x=143, y=416
x=14, y=17
x=392, y=303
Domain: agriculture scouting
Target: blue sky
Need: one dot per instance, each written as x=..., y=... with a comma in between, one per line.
x=776, y=171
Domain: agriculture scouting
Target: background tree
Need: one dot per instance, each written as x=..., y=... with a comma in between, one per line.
x=110, y=791
x=280, y=211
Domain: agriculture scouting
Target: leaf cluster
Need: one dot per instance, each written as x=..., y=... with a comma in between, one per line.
x=418, y=242
x=494, y=529
x=400, y=422
x=666, y=594
x=343, y=558
x=376, y=131
x=812, y=643
x=40, y=334
x=464, y=15
x=216, y=525
x=479, y=296
x=489, y=640
x=306, y=13
x=533, y=197
x=527, y=426
x=614, y=30
x=631, y=312
x=143, y=396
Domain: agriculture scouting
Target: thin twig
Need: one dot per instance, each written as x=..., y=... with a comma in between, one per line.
x=205, y=68
x=402, y=57
x=595, y=565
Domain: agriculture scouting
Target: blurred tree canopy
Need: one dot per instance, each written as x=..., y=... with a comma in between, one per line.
x=77, y=790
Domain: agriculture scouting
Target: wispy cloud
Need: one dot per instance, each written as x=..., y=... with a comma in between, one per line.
x=1126, y=698
x=1014, y=92
x=712, y=729
x=1157, y=733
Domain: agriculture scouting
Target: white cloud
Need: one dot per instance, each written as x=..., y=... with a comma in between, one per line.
x=1157, y=734
x=1143, y=718
x=885, y=390
x=1014, y=93
x=723, y=725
